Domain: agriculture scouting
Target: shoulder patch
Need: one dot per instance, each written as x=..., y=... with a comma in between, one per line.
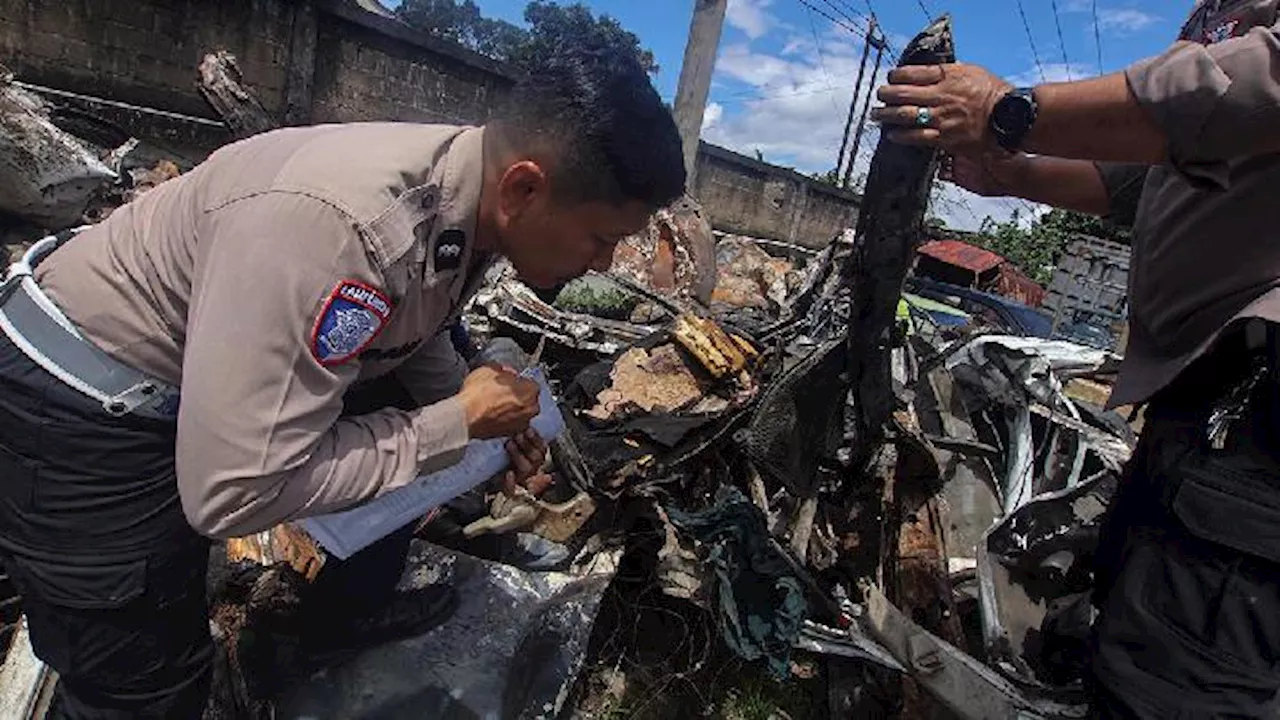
x=1224, y=31
x=351, y=317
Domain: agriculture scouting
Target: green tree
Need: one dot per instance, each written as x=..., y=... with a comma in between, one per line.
x=550, y=26
x=1071, y=223
x=1036, y=247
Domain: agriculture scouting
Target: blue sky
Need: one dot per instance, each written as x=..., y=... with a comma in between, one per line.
x=784, y=72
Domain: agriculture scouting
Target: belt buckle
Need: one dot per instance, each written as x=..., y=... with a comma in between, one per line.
x=130, y=400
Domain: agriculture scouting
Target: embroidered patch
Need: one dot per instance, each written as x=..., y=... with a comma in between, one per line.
x=351, y=318
x=1225, y=31
x=449, y=246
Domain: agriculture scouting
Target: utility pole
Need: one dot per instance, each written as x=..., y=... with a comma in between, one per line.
x=695, y=77
x=853, y=101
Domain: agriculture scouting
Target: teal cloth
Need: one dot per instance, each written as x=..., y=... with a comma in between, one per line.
x=760, y=605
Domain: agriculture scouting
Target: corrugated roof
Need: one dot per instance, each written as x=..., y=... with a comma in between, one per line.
x=962, y=254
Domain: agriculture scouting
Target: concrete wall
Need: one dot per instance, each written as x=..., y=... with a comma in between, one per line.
x=745, y=196
x=331, y=61
x=145, y=53
x=372, y=67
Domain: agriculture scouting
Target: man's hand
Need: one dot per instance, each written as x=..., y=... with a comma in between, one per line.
x=498, y=402
x=528, y=452
x=958, y=99
x=990, y=173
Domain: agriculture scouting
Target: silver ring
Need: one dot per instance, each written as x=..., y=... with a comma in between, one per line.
x=923, y=116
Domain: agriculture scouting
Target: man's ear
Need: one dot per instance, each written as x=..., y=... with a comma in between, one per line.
x=521, y=185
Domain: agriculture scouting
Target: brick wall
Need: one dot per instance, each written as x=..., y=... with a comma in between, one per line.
x=363, y=71
x=145, y=52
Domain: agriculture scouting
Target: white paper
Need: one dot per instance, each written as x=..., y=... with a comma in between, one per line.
x=344, y=533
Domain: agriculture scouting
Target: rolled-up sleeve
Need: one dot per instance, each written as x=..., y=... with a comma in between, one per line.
x=1123, y=183
x=1214, y=102
x=260, y=437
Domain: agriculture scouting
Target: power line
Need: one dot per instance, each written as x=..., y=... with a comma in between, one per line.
x=1057, y=19
x=853, y=103
x=1097, y=35
x=875, y=16
x=928, y=16
x=841, y=12
x=1027, y=27
x=825, y=14
x=822, y=60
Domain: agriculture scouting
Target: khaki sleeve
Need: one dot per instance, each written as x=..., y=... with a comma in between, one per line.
x=1214, y=102
x=1123, y=183
x=434, y=371
x=259, y=436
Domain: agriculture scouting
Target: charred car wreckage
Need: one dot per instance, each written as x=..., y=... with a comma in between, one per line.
x=768, y=456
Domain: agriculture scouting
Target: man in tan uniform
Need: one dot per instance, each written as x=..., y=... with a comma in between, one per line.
x=192, y=367
x=1185, y=145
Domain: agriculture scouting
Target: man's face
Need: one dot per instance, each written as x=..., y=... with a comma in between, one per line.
x=549, y=240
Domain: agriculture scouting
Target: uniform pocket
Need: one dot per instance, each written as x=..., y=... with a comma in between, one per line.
x=84, y=587
x=1230, y=501
x=1217, y=575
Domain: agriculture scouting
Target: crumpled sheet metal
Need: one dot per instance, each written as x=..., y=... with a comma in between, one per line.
x=851, y=643
x=47, y=176
x=967, y=687
x=1040, y=553
x=507, y=302
x=283, y=543
x=1012, y=375
x=653, y=381
x=674, y=255
x=748, y=276
x=512, y=649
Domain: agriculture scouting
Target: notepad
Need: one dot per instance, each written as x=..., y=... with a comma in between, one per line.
x=345, y=533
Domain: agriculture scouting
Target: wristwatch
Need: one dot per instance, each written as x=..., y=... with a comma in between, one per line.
x=1012, y=117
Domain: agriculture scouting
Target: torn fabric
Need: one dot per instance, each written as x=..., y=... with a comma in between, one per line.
x=760, y=606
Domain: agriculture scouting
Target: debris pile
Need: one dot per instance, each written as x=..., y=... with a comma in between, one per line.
x=767, y=464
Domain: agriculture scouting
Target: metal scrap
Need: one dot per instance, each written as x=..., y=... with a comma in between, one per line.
x=674, y=255
x=721, y=354
x=652, y=381
x=748, y=276
x=512, y=647
x=47, y=175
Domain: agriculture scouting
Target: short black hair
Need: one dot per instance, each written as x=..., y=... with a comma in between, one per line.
x=608, y=135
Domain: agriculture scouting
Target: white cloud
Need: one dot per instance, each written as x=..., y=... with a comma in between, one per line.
x=962, y=210
x=1124, y=20
x=752, y=17
x=712, y=115
x=793, y=108
x=793, y=111
x=1116, y=20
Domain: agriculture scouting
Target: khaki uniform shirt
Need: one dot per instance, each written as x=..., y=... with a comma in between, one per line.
x=267, y=281
x=1206, y=239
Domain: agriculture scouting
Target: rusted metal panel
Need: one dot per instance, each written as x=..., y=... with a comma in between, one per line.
x=962, y=254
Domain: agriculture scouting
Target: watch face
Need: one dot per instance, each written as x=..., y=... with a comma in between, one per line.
x=1012, y=113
